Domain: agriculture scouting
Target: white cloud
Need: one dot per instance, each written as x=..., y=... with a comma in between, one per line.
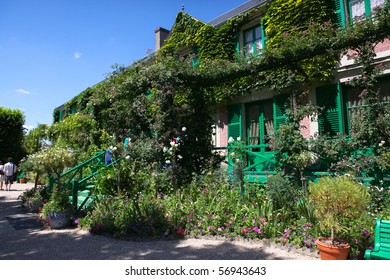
x=23, y=91
x=77, y=55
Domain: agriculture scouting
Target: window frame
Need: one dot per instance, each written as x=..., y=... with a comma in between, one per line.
x=367, y=10
x=255, y=51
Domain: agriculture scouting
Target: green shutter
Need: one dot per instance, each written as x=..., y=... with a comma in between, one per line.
x=338, y=6
x=195, y=60
x=279, y=110
x=263, y=36
x=238, y=44
x=234, y=121
x=330, y=121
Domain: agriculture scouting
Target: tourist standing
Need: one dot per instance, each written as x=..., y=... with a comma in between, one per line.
x=2, y=177
x=9, y=171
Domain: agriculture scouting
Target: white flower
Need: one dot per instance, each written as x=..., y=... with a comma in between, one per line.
x=183, y=128
x=232, y=154
x=127, y=157
x=382, y=143
x=231, y=139
x=111, y=147
x=168, y=161
x=179, y=157
x=114, y=149
x=172, y=143
x=165, y=149
x=238, y=138
x=237, y=160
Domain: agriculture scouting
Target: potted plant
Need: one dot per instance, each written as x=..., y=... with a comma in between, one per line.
x=336, y=199
x=56, y=212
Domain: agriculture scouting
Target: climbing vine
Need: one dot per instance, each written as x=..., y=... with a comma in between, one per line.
x=150, y=101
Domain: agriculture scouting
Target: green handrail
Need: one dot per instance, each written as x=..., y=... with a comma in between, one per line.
x=75, y=177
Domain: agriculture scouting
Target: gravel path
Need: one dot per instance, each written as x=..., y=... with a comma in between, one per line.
x=22, y=237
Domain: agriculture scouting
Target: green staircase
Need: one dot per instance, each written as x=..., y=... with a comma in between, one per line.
x=81, y=181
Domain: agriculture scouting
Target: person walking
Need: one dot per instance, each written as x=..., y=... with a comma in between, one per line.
x=9, y=171
x=2, y=177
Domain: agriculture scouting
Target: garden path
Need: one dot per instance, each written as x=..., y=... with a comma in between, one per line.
x=22, y=237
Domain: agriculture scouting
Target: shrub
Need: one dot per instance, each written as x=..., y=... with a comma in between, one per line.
x=336, y=200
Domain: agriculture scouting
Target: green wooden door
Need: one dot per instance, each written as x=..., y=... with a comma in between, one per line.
x=259, y=126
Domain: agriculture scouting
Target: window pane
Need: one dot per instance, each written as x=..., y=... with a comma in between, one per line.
x=358, y=10
x=254, y=127
x=257, y=33
x=249, y=48
x=259, y=45
x=248, y=36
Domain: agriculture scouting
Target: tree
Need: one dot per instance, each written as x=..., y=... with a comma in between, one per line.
x=35, y=139
x=11, y=134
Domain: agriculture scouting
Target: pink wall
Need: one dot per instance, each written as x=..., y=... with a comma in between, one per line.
x=384, y=46
x=305, y=131
x=223, y=127
x=380, y=47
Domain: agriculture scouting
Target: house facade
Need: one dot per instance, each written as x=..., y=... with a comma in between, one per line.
x=258, y=115
x=255, y=116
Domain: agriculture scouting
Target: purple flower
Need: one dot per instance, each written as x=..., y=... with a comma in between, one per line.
x=256, y=229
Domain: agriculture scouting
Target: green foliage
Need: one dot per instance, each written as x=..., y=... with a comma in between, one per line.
x=211, y=43
x=36, y=138
x=51, y=160
x=79, y=132
x=331, y=150
x=359, y=233
x=287, y=16
x=138, y=216
x=336, y=200
x=11, y=134
x=58, y=202
x=183, y=33
x=282, y=192
x=34, y=198
x=237, y=156
x=292, y=149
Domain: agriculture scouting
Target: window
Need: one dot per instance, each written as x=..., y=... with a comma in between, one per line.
x=253, y=41
x=359, y=9
x=341, y=105
x=354, y=104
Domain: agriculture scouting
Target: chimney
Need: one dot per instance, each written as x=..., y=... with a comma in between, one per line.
x=161, y=35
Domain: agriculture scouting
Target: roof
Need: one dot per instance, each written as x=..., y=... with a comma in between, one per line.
x=236, y=11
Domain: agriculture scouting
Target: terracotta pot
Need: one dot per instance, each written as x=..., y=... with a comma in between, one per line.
x=329, y=251
x=22, y=180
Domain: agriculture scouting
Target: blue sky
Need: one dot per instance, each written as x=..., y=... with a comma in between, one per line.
x=51, y=50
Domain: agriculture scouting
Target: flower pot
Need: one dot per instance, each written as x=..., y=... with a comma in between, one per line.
x=329, y=251
x=22, y=180
x=57, y=220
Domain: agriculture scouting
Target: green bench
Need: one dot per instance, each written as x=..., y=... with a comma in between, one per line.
x=381, y=249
